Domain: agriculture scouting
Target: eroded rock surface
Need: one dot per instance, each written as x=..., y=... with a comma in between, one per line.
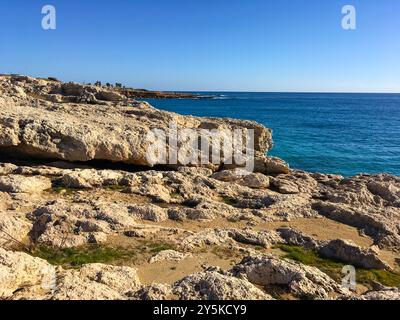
x=206, y=232
x=301, y=280
x=212, y=285
x=46, y=119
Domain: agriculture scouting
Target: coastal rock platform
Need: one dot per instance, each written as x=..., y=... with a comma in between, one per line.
x=86, y=214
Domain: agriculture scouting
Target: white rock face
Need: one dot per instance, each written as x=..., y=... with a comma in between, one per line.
x=149, y=212
x=170, y=255
x=90, y=178
x=212, y=285
x=384, y=294
x=13, y=227
x=84, y=116
x=351, y=253
x=97, y=281
x=300, y=279
x=22, y=184
x=18, y=270
x=26, y=277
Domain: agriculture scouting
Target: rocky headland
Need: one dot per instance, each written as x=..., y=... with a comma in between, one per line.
x=85, y=213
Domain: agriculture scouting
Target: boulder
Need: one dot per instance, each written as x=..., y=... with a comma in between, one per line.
x=349, y=252
x=256, y=181
x=301, y=280
x=19, y=270
x=212, y=285
x=297, y=238
x=97, y=282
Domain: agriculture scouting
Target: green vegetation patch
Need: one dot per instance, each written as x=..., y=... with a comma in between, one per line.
x=76, y=257
x=115, y=187
x=62, y=190
x=158, y=247
x=229, y=201
x=333, y=268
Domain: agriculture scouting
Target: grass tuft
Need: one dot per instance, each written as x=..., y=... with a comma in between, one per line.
x=62, y=190
x=229, y=201
x=76, y=257
x=158, y=247
x=333, y=268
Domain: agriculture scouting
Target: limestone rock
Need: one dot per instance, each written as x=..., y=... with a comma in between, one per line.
x=255, y=180
x=384, y=294
x=19, y=270
x=96, y=281
x=13, y=227
x=226, y=175
x=22, y=184
x=205, y=237
x=300, y=279
x=169, y=255
x=349, y=252
x=90, y=178
x=212, y=285
x=288, y=188
x=149, y=212
x=155, y=291
x=85, y=115
x=260, y=238
x=7, y=168
x=297, y=238
x=271, y=165
x=380, y=223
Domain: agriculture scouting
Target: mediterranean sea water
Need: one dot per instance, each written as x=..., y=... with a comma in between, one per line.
x=318, y=132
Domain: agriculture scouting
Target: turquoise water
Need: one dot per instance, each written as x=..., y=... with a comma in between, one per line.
x=332, y=133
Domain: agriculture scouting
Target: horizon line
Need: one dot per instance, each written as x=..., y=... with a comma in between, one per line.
x=225, y=91
x=319, y=92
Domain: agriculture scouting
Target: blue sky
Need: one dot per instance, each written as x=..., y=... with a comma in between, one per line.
x=210, y=45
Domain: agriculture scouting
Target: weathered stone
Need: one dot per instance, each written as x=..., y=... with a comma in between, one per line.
x=384, y=294
x=155, y=291
x=96, y=281
x=349, y=252
x=14, y=228
x=297, y=238
x=212, y=285
x=19, y=270
x=255, y=180
x=169, y=255
x=260, y=238
x=271, y=165
x=90, y=178
x=149, y=212
x=22, y=184
x=30, y=128
x=301, y=280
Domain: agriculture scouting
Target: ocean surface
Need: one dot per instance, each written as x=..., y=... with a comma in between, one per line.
x=318, y=132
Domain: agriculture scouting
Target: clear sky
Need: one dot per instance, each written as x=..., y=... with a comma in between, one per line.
x=210, y=45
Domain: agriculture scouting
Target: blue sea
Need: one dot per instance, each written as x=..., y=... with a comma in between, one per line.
x=318, y=132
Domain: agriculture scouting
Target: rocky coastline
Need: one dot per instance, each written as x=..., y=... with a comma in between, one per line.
x=86, y=214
